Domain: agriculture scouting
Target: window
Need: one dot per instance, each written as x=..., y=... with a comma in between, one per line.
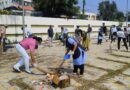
x=27, y=3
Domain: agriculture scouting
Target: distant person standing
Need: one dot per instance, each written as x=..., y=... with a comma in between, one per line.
x=50, y=35
x=77, y=32
x=114, y=33
x=78, y=35
x=89, y=31
x=104, y=28
x=100, y=36
x=27, y=32
x=85, y=41
x=3, y=38
x=128, y=31
x=64, y=32
x=121, y=35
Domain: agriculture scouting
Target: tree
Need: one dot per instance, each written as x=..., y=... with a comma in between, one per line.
x=56, y=8
x=108, y=11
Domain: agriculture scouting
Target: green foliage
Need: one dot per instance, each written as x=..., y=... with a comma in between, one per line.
x=56, y=8
x=108, y=11
x=81, y=16
x=57, y=36
x=5, y=12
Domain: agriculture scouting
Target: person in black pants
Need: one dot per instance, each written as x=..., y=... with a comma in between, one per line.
x=100, y=36
x=121, y=35
x=80, y=67
x=128, y=32
x=50, y=35
x=104, y=29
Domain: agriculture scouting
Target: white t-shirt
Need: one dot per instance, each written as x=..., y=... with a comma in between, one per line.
x=121, y=34
x=27, y=31
x=128, y=30
x=65, y=31
x=114, y=29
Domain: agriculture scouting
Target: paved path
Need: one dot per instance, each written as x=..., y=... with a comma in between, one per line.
x=103, y=70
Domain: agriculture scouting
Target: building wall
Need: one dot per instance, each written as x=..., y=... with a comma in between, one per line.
x=7, y=3
x=39, y=25
x=91, y=16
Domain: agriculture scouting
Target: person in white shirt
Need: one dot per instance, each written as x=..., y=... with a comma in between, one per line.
x=64, y=31
x=113, y=33
x=121, y=35
x=128, y=32
x=27, y=32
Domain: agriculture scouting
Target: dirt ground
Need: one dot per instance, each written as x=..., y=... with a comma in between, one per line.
x=105, y=69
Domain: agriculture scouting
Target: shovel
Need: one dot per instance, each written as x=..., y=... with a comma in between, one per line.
x=66, y=57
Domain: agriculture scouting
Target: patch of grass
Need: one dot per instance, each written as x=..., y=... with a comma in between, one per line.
x=97, y=84
x=107, y=59
x=118, y=82
x=98, y=67
x=19, y=82
x=117, y=55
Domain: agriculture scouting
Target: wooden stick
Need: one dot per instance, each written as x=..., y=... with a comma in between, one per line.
x=41, y=70
x=60, y=66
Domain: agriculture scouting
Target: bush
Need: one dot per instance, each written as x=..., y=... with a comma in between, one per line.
x=57, y=36
x=5, y=12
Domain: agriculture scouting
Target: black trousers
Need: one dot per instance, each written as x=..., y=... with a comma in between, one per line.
x=129, y=39
x=124, y=41
x=113, y=37
x=80, y=67
x=99, y=41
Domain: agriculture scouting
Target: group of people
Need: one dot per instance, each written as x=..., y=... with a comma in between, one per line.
x=120, y=34
x=76, y=45
x=31, y=42
x=116, y=33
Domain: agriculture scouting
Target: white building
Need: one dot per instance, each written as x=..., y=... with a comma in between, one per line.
x=8, y=3
x=5, y=3
x=91, y=16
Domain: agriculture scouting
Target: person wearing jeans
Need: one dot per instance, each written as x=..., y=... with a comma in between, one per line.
x=25, y=44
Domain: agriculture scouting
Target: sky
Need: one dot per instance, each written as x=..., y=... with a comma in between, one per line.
x=92, y=5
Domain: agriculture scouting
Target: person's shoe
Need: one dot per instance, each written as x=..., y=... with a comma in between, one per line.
x=28, y=71
x=16, y=69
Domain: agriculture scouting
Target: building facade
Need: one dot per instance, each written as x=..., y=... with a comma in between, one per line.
x=17, y=3
x=90, y=16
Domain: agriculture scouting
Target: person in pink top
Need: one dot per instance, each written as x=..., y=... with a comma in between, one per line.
x=26, y=44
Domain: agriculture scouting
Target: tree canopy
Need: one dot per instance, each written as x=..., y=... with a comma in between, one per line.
x=56, y=8
x=109, y=12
